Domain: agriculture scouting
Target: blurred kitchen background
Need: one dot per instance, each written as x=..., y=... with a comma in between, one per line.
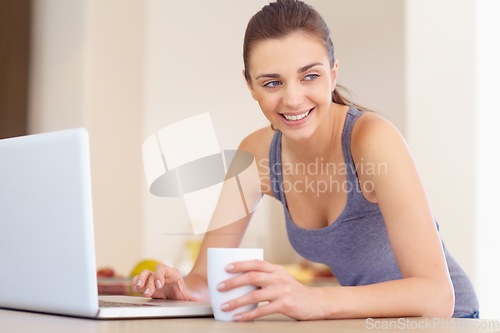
x=126, y=68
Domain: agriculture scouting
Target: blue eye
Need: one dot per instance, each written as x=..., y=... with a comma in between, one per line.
x=311, y=77
x=272, y=84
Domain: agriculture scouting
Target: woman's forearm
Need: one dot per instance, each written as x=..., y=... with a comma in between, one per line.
x=416, y=296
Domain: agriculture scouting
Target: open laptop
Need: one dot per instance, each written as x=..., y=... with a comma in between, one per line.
x=47, y=254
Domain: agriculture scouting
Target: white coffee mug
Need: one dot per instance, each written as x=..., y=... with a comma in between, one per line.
x=217, y=260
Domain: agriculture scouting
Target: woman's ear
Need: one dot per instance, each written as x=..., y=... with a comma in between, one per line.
x=334, y=73
x=249, y=85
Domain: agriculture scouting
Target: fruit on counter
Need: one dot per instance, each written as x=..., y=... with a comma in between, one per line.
x=142, y=265
x=106, y=272
x=307, y=272
x=318, y=270
x=111, y=283
x=301, y=274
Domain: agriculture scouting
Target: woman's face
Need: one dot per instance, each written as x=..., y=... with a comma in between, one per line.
x=292, y=80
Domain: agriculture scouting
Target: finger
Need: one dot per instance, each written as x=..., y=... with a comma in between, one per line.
x=251, y=265
x=159, y=275
x=165, y=275
x=183, y=293
x=134, y=282
x=255, y=278
x=260, y=311
x=195, y=299
x=182, y=289
x=172, y=275
x=140, y=280
x=149, y=287
x=254, y=297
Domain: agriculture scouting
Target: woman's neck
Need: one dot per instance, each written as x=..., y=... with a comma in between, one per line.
x=323, y=143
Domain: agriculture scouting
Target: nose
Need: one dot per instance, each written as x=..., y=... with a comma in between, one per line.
x=292, y=95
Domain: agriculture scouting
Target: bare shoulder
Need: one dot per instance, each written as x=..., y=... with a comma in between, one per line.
x=381, y=156
x=375, y=138
x=258, y=143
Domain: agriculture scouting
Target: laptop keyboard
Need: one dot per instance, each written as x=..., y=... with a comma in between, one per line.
x=108, y=304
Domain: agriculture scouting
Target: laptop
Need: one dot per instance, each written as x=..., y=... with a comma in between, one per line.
x=47, y=253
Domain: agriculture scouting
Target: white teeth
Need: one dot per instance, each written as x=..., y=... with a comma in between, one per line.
x=300, y=116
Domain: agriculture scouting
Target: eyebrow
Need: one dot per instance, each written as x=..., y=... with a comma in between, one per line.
x=307, y=67
x=300, y=70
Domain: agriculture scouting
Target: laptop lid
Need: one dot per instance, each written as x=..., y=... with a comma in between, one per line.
x=47, y=253
x=47, y=258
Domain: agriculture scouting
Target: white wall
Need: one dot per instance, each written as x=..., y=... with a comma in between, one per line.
x=369, y=42
x=441, y=118
x=115, y=116
x=453, y=71
x=87, y=71
x=57, y=69
x=487, y=157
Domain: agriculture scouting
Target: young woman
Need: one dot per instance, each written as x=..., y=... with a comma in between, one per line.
x=365, y=214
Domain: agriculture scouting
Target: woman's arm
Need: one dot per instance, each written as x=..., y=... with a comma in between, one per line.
x=166, y=282
x=426, y=288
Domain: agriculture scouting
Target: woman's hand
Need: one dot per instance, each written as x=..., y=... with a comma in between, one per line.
x=283, y=292
x=165, y=282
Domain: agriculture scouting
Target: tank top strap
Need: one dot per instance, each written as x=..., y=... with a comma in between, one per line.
x=275, y=167
x=353, y=114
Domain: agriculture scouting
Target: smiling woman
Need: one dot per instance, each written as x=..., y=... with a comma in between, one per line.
x=377, y=235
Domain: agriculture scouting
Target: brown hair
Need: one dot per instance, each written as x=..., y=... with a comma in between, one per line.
x=283, y=17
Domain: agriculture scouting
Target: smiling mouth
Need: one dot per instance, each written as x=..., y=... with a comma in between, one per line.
x=296, y=117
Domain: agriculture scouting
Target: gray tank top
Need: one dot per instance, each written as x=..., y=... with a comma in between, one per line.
x=356, y=246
